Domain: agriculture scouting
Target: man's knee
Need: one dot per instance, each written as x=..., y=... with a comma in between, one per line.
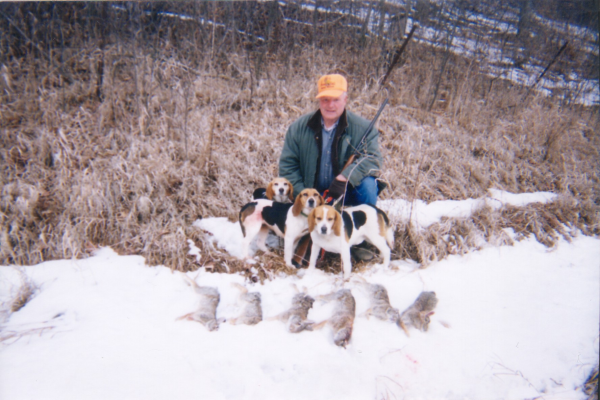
x=367, y=191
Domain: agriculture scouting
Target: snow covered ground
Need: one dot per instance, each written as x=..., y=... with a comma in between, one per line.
x=512, y=322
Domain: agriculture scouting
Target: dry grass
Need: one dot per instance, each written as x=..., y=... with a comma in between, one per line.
x=24, y=293
x=9, y=337
x=590, y=386
x=172, y=141
x=548, y=223
x=215, y=260
x=17, y=300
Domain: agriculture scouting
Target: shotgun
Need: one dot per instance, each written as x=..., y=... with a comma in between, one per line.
x=364, y=138
x=395, y=60
x=356, y=153
x=398, y=53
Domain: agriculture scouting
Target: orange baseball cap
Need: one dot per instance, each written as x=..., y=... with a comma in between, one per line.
x=331, y=85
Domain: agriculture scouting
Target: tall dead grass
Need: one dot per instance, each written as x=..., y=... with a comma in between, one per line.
x=23, y=294
x=548, y=223
x=170, y=141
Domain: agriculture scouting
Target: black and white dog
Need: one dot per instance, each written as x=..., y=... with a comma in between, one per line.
x=337, y=232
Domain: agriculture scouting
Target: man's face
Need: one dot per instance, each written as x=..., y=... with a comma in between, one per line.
x=332, y=107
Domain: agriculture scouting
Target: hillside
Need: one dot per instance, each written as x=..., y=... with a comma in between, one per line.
x=122, y=123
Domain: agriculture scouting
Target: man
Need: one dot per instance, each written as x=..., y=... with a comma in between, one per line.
x=318, y=145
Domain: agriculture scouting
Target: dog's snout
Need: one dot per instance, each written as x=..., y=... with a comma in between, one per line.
x=311, y=202
x=323, y=229
x=281, y=190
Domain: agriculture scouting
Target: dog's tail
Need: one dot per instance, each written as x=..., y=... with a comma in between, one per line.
x=385, y=227
x=389, y=237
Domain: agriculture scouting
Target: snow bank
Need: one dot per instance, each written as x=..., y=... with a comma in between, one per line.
x=513, y=322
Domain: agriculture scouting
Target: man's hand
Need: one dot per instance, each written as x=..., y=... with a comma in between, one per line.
x=337, y=188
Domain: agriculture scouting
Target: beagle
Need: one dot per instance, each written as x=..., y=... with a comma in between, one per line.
x=289, y=221
x=279, y=190
x=337, y=233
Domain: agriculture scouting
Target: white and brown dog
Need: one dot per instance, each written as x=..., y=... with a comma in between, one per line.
x=279, y=190
x=289, y=221
x=337, y=233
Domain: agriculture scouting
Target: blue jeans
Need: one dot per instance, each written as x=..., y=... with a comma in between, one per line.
x=365, y=193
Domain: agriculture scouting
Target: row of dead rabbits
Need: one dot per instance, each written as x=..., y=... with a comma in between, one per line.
x=341, y=320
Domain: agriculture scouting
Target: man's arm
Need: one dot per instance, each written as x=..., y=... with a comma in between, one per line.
x=367, y=163
x=289, y=162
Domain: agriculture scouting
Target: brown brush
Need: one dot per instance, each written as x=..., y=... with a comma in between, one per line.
x=82, y=170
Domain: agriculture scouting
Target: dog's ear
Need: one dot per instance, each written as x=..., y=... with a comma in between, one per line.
x=270, y=192
x=321, y=201
x=298, y=206
x=337, y=223
x=311, y=220
x=291, y=194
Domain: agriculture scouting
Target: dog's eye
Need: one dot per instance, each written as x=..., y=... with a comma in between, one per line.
x=285, y=184
x=305, y=194
x=329, y=219
x=319, y=219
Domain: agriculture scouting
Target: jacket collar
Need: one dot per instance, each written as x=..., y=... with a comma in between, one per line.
x=314, y=122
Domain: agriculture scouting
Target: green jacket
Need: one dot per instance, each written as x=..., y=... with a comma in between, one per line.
x=300, y=157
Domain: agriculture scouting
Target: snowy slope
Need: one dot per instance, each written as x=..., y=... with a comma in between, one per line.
x=512, y=323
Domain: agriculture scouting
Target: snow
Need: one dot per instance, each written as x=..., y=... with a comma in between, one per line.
x=423, y=215
x=512, y=322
